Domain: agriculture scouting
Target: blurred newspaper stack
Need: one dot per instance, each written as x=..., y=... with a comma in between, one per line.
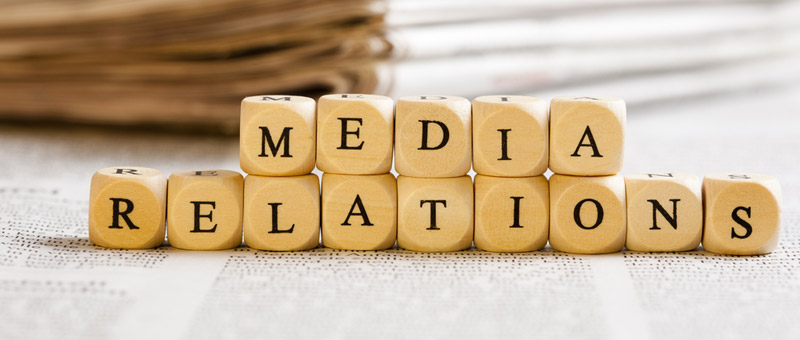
x=189, y=63
x=178, y=62
x=640, y=50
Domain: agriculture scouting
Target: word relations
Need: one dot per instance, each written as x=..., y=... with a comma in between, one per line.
x=585, y=207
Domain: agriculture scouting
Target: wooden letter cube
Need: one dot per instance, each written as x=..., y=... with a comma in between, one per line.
x=281, y=213
x=127, y=206
x=355, y=134
x=587, y=214
x=434, y=214
x=510, y=136
x=277, y=135
x=433, y=136
x=359, y=212
x=511, y=214
x=742, y=213
x=587, y=135
x=665, y=212
x=204, y=209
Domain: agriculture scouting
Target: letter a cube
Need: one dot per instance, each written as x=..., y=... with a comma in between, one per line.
x=277, y=135
x=359, y=212
x=587, y=135
x=127, y=207
x=742, y=213
x=433, y=136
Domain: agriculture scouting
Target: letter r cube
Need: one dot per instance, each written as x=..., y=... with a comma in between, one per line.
x=127, y=207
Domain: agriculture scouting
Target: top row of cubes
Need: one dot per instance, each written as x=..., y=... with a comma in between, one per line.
x=433, y=136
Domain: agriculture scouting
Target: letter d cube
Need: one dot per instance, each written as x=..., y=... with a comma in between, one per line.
x=433, y=136
x=127, y=207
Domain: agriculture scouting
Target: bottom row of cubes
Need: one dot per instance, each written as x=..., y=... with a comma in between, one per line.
x=206, y=210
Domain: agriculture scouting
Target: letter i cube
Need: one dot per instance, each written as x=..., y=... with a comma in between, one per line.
x=127, y=207
x=587, y=214
x=355, y=134
x=587, y=135
x=742, y=214
x=277, y=135
x=665, y=212
x=281, y=213
x=433, y=136
x=205, y=209
x=510, y=136
x=511, y=214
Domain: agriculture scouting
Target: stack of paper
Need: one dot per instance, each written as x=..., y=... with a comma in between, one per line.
x=186, y=62
x=640, y=50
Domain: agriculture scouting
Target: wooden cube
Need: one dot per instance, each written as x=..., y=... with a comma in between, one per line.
x=587, y=135
x=434, y=214
x=511, y=214
x=127, y=206
x=355, y=134
x=587, y=214
x=359, y=212
x=665, y=212
x=510, y=136
x=433, y=136
x=277, y=135
x=204, y=209
x=742, y=213
x=281, y=213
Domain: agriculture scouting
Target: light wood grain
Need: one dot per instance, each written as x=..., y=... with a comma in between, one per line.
x=511, y=214
x=450, y=229
x=281, y=213
x=576, y=223
x=359, y=212
x=204, y=209
x=138, y=195
x=742, y=213
x=510, y=136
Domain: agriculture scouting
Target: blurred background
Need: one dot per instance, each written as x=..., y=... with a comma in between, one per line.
x=186, y=64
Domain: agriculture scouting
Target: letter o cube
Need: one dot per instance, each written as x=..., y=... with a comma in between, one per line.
x=587, y=214
x=587, y=135
x=355, y=134
x=204, y=209
x=434, y=214
x=127, y=206
x=433, y=136
x=277, y=135
x=742, y=213
x=511, y=214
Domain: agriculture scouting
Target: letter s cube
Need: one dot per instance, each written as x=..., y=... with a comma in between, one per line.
x=742, y=213
x=127, y=207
